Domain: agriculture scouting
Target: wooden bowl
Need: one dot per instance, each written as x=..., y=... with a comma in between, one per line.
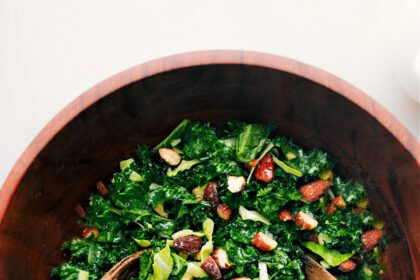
x=85, y=142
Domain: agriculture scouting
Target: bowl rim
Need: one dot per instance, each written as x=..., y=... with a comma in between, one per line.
x=201, y=58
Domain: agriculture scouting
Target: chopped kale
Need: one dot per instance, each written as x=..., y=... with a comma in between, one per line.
x=148, y=201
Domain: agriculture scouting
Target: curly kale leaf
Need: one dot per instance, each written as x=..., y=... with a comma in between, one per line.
x=175, y=134
x=200, y=140
x=251, y=140
x=343, y=229
x=67, y=271
x=244, y=258
x=276, y=194
x=170, y=194
x=310, y=163
x=231, y=129
x=352, y=192
x=93, y=257
x=145, y=261
x=282, y=266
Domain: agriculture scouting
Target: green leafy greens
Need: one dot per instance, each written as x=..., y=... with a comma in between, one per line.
x=150, y=204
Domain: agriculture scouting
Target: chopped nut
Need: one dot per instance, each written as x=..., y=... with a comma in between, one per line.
x=88, y=231
x=265, y=169
x=210, y=266
x=370, y=239
x=101, y=188
x=339, y=201
x=313, y=191
x=305, y=221
x=80, y=211
x=252, y=164
x=313, y=238
x=236, y=183
x=211, y=195
x=347, y=266
x=221, y=258
x=224, y=211
x=170, y=156
x=264, y=242
x=188, y=244
x=286, y=215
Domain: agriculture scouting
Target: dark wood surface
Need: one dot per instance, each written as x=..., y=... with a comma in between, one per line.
x=86, y=141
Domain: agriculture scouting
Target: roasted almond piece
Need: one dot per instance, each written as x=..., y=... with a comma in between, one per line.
x=264, y=242
x=236, y=183
x=170, y=156
x=313, y=238
x=339, y=201
x=101, y=188
x=371, y=238
x=80, y=211
x=286, y=215
x=188, y=245
x=88, y=231
x=252, y=164
x=347, y=266
x=313, y=191
x=305, y=221
x=241, y=278
x=221, y=258
x=210, y=266
x=224, y=211
x=265, y=169
x=211, y=195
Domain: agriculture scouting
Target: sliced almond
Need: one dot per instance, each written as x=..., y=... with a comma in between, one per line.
x=211, y=195
x=286, y=215
x=313, y=238
x=224, y=211
x=264, y=242
x=88, y=231
x=305, y=221
x=236, y=183
x=241, y=278
x=210, y=266
x=313, y=191
x=339, y=201
x=371, y=238
x=347, y=266
x=170, y=156
x=101, y=188
x=188, y=245
x=80, y=211
x=221, y=258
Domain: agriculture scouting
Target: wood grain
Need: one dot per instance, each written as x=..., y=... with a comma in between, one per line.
x=85, y=142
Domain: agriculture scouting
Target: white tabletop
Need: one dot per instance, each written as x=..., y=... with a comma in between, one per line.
x=52, y=51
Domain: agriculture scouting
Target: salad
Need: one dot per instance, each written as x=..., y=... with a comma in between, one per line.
x=234, y=202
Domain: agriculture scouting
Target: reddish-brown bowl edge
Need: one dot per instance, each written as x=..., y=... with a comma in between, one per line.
x=184, y=60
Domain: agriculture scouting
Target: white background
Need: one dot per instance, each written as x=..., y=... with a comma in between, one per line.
x=51, y=51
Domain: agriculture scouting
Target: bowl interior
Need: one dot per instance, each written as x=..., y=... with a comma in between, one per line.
x=40, y=215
